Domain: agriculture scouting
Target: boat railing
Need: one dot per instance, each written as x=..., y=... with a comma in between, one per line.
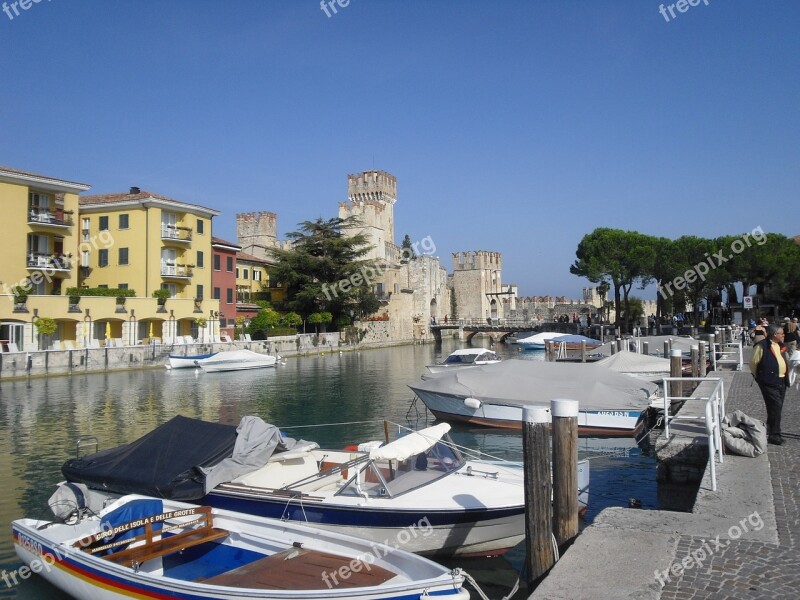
x=729, y=354
x=712, y=417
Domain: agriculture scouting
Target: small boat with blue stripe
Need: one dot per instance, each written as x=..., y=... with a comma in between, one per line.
x=177, y=361
x=143, y=547
x=418, y=490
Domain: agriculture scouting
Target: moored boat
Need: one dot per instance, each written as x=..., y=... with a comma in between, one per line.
x=236, y=360
x=494, y=395
x=188, y=361
x=373, y=492
x=465, y=357
x=151, y=548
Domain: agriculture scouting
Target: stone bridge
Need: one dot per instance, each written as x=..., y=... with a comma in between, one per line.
x=497, y=329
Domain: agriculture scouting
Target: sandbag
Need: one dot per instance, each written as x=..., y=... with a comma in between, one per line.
x=744, y=435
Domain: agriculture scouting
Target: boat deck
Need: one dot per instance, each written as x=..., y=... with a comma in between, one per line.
x=302, y=569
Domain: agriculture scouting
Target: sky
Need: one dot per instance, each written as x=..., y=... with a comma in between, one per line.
x=515, y=126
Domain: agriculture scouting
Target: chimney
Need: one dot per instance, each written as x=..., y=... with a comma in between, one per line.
x=135, y=190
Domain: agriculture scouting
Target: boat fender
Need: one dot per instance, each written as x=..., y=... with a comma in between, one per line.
x=472, y=403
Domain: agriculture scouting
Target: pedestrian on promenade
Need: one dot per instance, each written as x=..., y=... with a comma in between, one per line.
x=792, y=334
x=770, y=367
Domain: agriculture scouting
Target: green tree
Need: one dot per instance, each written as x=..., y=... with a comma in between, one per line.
x=325, y=270
x=291, y=319
x=408, y=249
x=261, y=324
x=617, y=257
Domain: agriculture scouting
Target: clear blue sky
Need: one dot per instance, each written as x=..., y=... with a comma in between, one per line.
x=515, y=126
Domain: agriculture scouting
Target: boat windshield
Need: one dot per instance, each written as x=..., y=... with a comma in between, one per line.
x=460, y=359
x=390, y=478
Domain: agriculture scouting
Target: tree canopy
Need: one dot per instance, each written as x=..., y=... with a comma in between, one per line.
x=325, y=270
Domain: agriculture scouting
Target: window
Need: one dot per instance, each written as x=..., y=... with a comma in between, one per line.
x=199, y=259
x=217, y=262
x=123, y=286
x=84, y=258
x=103, y=286
x=123, y=256
x=103, y=226
x=102, y=258
x=123, y=221
x=229, y=265
x=237, y=272
x=200, y=226
x=199, y=295
x=256, y=275
x=229, y=295
x=217, y=294
x=85, y=232
x=245, y=273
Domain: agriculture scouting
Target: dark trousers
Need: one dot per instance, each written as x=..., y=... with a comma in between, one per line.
x=773, y=399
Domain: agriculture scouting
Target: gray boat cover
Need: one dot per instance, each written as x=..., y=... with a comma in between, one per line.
x=744, y=435
x=527, y=382
x=655, y=344
x=256, y=441
x=633, y=362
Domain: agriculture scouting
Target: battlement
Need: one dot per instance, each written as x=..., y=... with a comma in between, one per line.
x=256, y=231
x=374, y=186
x=477, y=259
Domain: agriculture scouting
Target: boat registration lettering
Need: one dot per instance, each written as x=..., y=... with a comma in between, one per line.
x=29, y=544
x=613, y=413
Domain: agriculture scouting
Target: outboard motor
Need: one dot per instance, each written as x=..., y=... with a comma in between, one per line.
x=71, y=502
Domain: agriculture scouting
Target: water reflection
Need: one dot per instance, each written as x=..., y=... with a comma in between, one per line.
x=42, y=419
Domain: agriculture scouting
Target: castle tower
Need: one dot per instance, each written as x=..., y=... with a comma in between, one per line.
x=256, y=232
x=477, y=284
x=371, y=196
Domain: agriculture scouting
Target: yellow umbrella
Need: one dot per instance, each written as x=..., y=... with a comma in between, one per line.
x=150, y=330
x=108, y=330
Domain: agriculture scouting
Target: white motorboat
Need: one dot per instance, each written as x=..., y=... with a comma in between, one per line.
x=494, y=395
x=188, y=361
x=236, y=360
x=144, y=547
x=465, y=357
x=537, y=341
x=651, y=368
x=373, y=492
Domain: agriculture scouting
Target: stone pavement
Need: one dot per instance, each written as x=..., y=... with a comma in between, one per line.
x=738, y=542
x=754, y=569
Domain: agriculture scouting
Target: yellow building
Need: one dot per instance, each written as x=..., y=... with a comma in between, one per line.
x=56, y=241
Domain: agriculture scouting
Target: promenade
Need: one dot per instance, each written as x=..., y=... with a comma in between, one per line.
x=742, y=541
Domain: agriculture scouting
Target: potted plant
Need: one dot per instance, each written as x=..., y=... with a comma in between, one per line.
x=45, y=326
x=162, y=295
x=201, y=322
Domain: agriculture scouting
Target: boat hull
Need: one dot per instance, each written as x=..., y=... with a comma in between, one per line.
x=479, y=532
x=86, y=576
x=187, y=362
x=453, y=408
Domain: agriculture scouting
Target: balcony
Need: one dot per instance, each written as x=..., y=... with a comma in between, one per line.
x=46, y=218
x=55, y=264
x=171, y=271
x=177, y=234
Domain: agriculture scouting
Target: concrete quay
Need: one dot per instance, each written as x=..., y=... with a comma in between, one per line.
x=741, y=541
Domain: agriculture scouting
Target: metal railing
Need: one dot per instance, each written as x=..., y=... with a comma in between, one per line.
x=730, y=353
x=714, y=413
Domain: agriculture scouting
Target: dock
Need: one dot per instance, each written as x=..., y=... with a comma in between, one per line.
x=742, y=541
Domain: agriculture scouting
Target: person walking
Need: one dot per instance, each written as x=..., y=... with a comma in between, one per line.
x=770, y=367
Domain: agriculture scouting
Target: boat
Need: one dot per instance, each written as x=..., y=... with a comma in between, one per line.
x=236, y=360
x=374, y=491
x=465, y=357
x=188, y=361
x=494, y=395
x=537, y=341
x=144, y=547
x=645, y=366
x=575, y=342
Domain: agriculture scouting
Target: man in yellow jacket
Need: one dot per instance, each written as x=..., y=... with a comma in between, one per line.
x=770, y=367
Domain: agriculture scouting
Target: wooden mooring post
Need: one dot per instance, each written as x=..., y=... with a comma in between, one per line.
x=565, y=469
x=540, y=556
x=695, y=361
x=675, y=387
x=646, y=348
x=702, y=348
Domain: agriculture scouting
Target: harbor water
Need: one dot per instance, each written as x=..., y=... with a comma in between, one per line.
x=42, y=419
